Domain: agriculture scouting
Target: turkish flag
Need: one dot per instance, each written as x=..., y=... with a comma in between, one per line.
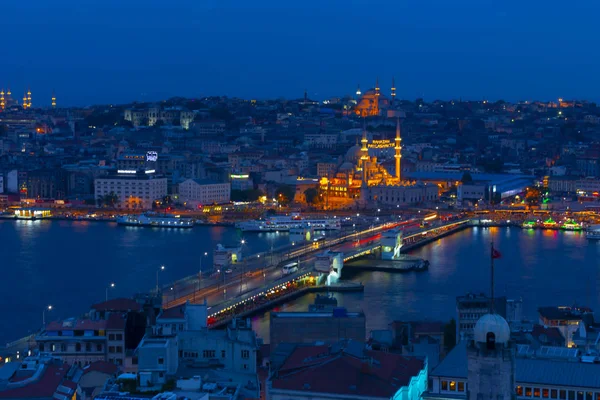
x=496, y=254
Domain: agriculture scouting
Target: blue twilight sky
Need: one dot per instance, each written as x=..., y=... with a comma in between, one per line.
x=114, y=51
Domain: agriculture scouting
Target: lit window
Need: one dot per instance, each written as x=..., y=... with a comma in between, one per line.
x=527, y=392
x=444, y=385
x=545, y=393
x=461, y=386
x=453, y=386
x=519, y=390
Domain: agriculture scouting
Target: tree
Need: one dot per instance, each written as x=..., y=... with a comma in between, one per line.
x=532, y=196
x=111, y=199
x=284, y=194
x=450, y=335
x=466, y=178
x=311, y=195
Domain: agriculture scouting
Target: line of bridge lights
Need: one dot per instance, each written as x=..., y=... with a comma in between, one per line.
x=273, y=290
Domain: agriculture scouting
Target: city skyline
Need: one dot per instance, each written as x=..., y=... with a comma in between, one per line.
x=469, y=51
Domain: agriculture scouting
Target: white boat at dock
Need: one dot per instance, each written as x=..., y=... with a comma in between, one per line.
x=593, y=232
x=287, y=223
x=155, y=220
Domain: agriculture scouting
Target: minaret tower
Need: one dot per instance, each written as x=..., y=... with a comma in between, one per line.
x=377, y=87
x=393, y=90
x=358, y=92
x=28, y=98
x=397, y=148
x=2, y=99
x=53, y=100
x=25, y=103
x=364, y=151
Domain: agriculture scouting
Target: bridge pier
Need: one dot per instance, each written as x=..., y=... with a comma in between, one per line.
x=331, y=264
x=391, y=243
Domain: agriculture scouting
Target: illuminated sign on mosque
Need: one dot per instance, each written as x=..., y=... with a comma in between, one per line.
x=151, y=156
x=381, y=144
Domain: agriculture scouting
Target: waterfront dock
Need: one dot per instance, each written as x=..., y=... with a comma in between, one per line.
x=405, y=264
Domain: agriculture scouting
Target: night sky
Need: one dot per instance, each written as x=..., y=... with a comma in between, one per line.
x=115, y=51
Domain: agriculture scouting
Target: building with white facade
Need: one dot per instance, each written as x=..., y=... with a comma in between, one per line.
x=198, y=191
x=150, y=116
x=133, y=189
x=181, y=342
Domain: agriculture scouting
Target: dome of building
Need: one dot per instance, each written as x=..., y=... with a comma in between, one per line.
x=347, y=166
x=353, y=153
x=492, y=323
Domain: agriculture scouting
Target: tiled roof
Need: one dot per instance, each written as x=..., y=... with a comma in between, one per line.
x=343, y=374
x=121, y=304
x=101, y=366
x=45, y=387
x=79, y=324
x=115, y=321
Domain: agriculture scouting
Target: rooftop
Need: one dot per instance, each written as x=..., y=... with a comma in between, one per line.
x=48, y=381
x=563, y=313
x=114, y=321
x=172, y=313
x=120, y=304
x=528, y=370
x=316, y=369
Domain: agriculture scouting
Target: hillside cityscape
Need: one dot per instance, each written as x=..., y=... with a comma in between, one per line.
x=301, y=209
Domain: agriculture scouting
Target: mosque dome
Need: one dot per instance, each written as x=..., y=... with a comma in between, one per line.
x=347, y=166
x=492, y=323
x=353, y=153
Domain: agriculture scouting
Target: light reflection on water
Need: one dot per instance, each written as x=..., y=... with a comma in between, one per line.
x=542, y=267
x=68, y=264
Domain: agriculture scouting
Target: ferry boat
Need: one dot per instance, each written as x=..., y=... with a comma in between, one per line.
x=288, y=222
x=157, y=221
x=593, y=232
x=529, y=224
x=570, y=225
x=549, y=224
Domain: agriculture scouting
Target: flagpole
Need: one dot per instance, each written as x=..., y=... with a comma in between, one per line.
x=492, y=278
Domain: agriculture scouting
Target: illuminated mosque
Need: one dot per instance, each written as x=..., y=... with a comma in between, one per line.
x=362, y=180
x=372, y=102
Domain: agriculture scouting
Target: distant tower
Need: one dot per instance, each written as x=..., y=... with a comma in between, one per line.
x=305, y=97
x=53, y=100
x=397, y=148
x=377, y=87
x=393, y=90
x=28, y=98
x=358, y=92
x=2, y=99
x=25, y=103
